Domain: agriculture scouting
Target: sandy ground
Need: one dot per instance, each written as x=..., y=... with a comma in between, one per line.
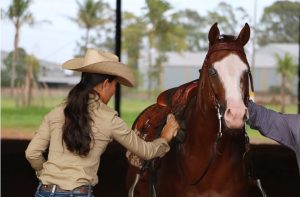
x=16, y=133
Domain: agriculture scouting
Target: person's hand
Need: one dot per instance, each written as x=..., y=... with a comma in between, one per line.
x=170, y=129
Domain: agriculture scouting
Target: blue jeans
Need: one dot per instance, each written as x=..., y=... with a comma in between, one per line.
x=40, y=193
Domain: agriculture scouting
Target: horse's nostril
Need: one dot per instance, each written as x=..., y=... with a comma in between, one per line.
x=228, y=111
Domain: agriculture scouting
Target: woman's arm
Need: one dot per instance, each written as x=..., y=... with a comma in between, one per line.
x=145, y=150
x=38, y=144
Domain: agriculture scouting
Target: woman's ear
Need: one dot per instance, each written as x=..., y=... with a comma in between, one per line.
x=105, y=84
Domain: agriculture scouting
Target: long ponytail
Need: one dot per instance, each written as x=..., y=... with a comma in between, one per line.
x=77, y=133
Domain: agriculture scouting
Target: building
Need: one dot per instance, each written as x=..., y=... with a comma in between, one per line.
x=51, y=74
x=184, y=67
x=266, y=78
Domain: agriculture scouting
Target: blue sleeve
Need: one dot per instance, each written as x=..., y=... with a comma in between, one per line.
x=283, y=128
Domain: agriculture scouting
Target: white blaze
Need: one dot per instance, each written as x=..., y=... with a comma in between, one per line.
x=230, y=70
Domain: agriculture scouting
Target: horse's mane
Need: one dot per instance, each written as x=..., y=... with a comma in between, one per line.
x=227, y=38
x=223, y=38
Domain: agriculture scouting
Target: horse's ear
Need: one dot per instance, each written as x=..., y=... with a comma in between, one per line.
x=213, y=34
x=244, y=35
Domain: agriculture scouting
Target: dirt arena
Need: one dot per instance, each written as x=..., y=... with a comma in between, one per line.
x=274, y=164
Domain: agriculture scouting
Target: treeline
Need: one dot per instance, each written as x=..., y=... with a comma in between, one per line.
x=159, y=28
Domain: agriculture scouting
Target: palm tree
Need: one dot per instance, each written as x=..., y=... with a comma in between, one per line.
x=163, y=35
x=132, y=35
x=33, y=65
x=90, y=15
x=226, y=16
x=286, y=68
x=19, y=15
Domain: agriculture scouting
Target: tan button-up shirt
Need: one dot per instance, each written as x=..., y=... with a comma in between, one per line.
x=69, y=170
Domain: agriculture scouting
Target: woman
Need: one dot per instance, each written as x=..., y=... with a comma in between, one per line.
x=78, y=131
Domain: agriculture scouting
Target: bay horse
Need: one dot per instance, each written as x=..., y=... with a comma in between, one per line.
x=212, y=111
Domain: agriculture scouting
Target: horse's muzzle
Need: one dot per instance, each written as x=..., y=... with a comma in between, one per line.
x=235, y=115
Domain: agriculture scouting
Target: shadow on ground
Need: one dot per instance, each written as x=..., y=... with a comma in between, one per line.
x=17, y=176
x=275, y=165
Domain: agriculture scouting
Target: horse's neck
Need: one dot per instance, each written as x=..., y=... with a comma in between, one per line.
x=202, y=134
x=201, y=148
x=202, y=123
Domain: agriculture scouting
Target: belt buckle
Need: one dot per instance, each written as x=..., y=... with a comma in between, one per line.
x=53, y=189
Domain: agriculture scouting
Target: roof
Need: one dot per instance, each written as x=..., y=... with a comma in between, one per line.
x=70, y=80
x=264, y=56
x=192, y=59
x=50, y=72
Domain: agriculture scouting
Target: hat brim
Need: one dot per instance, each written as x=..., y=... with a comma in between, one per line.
x=121, y=71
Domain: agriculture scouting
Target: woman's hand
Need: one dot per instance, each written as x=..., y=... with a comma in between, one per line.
x=170, y=129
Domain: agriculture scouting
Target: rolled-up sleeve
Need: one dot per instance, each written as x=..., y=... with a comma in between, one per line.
x=131, y=141
x=38, y=144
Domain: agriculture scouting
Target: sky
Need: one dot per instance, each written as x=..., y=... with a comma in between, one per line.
x=56, y=41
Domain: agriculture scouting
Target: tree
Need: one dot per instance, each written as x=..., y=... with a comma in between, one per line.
x=32, y=68
x=280, y=23
x=133, y=31
x=226, y=16
x=286, y=68
x=18, y=13
x=163, y=35
x=90, y=15
x=20, y=69
x=27, y=68
x=193, y=24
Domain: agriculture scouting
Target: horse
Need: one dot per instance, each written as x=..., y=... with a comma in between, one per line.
x=208, y=157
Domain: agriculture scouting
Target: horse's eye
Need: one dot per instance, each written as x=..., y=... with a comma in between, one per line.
x=212, y=71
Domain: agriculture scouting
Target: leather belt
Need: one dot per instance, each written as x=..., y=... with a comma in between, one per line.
x=55, y=188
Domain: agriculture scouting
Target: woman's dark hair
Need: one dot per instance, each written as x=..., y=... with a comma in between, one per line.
x=77, y=132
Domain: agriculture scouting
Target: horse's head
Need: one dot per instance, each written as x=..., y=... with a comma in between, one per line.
x=227, y=71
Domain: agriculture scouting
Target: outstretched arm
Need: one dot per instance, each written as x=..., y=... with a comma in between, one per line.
x=145, y=150
x=283, y=128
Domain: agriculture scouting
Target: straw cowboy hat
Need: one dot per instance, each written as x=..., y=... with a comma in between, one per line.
x=103, y=63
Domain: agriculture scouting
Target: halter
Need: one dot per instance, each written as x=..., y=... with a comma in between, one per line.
x=230, y=46
x=227, y=46
x=240, y=51
x=214, y=48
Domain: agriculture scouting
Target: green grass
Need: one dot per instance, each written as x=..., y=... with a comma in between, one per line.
x=289, y=109
x=31, y=117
